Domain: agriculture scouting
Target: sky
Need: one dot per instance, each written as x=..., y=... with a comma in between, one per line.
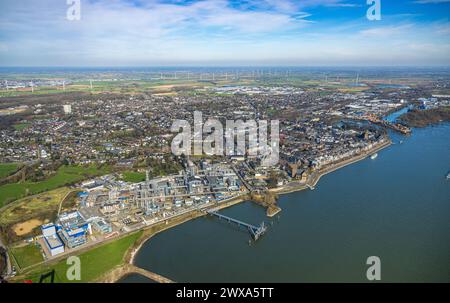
x=224, y=33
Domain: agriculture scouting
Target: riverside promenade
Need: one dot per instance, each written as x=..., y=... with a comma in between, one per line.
x=314, y=178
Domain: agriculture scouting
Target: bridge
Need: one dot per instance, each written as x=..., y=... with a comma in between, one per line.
x=255, y=231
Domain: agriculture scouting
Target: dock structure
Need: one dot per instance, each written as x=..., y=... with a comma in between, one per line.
x=310, y=186
x=255, y=231
x=118, y=273
x=150, y=275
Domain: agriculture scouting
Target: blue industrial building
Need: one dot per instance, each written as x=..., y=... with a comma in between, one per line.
x=73, y=229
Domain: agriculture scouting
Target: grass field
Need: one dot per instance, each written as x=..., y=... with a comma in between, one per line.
x=65, y=175
x=94, y=262
x=21, y=126
x=133, y=177
x=42, y=91
x=34, y=206
x=27, y=255
x=120, y=86
x=7, y=169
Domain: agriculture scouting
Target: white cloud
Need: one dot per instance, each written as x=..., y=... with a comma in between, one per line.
x=386, y=31
x=330, y=3
x=116, y=32
x=431, y=1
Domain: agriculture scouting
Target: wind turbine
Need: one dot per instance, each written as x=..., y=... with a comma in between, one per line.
x=32, y=87
x=6, y=84
x=90, y=81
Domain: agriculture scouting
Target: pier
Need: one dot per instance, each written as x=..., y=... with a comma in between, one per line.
x=255, y=231
x=122, y=271
x=149, y=275
x=310, y=186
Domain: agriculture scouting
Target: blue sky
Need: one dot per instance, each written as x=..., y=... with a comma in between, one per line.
x=224, y=32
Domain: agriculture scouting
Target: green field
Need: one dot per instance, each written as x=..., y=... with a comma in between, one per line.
x=21, y=126
x=27, y=255
x=94, y=262
x=14, y=93
x=133, y=177
x=65, y=175
x=122, y=86
x=7, y=169
x=33, y=206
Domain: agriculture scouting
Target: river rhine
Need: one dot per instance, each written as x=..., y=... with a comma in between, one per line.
x=396, y=207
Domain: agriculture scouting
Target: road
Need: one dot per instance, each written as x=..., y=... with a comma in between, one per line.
x=63, y=199
x=249, y=188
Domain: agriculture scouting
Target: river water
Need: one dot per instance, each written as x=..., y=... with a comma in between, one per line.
x=396, y=207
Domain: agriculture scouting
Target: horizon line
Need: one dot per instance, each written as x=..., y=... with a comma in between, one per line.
x=229, y=66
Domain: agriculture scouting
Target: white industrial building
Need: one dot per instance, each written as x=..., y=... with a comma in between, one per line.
x=67, y=109
x=52, y=240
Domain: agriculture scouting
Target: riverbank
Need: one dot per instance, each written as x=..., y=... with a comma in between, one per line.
x=121, y=272
x=154, y=230
x=346, y=162
x=148, y=232
x=128, y=266
x=372, y=199
x=316, y=176
x=424, y=118
x=118, y=274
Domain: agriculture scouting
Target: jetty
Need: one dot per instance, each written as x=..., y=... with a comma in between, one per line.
x=255, y=231
x=122, y=271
